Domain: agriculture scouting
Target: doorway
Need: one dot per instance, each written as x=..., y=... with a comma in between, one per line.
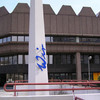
x=2, y=79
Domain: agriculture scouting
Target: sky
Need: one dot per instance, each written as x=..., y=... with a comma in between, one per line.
x=56, y=4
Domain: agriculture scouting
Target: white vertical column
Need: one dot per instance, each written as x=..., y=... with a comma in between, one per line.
x=37, y=69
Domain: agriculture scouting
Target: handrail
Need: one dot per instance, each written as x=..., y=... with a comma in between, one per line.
x=51, y=83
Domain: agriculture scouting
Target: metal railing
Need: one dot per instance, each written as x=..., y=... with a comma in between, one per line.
x=88, y=84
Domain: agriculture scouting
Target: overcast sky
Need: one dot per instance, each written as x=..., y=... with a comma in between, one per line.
x=56, y=4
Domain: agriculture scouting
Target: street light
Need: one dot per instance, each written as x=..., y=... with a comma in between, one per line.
x=89, y=58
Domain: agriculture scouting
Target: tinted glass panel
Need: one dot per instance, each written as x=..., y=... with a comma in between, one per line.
x=14, y=59
x=50, y=59
x=10, y=60
x=26, y=59
x=8, y=39
x=47, y=39
x=14, y=38
x=26, y=38
x=20, y=59
x=0, y=40
x=4, y=39
x=21, y=38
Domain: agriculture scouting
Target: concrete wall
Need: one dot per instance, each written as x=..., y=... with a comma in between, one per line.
x=70, y=97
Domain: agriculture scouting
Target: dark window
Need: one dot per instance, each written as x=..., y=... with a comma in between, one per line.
x=57, y=59
x=63, y=59
x=96, y=59
x=10, y=60
x=14, y=59
x=85, y=59
x=2, y=60
x=68, y=59
x=6, y=60
x=26, y=38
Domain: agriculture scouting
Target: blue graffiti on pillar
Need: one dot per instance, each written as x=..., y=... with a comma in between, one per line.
x=43, y=59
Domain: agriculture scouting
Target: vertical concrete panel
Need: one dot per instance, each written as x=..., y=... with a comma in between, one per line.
x=47, y=23
x=65, y=24
x=78, y=66
x=95, y=26
x=84, y=25
x=53, y=23
x=89, y=25
x=98, y=25
x=1, y=25
x=14, y=22
x=26, y=20
x=59, y=23
x=77, y=25
x=9, y=23
x=5, y=25
x=21, y=22
x=71, y=24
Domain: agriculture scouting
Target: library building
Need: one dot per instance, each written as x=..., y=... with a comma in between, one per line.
x=72, y=43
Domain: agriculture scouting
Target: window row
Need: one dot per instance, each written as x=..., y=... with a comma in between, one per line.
x=61, y=76
x=15, y=38
x=61, y=59
x=14, y=77
x=72, y=39
x=94, y=60
x=90, y=39
x=16, y=59
x=60, y=39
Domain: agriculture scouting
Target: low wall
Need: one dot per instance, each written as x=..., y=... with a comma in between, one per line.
x=56, y=97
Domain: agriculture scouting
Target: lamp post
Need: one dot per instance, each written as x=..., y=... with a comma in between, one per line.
x=89, y=58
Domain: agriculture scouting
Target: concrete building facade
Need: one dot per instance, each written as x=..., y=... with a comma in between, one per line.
x=70, y=40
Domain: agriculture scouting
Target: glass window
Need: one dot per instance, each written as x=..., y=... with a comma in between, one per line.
x=47, y=39
x=16, y=77
x=2, y=60
x=96, y=59
x=10, y=60
x=0, y=40
x=57, y=59
x=85, y=59
x=20, y=76
x=4, y=40
x=8, y=39
x=14, y=38
x=26, y=59
x=50, y=59
x=63, y=59
x=14, y=59
x=20, y=59
x=26, y=38
x=25, y=76
x=68, y=59
x=62, y=76
x=6, y=60
x=51, y=39
x=20, y=38
x=47, y=58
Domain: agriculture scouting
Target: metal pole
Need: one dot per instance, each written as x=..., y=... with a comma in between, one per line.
x=88, y=69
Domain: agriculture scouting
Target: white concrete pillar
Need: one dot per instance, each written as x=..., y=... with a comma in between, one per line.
x=37, y=69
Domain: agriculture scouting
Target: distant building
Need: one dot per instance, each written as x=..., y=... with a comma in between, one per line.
x=70, y=40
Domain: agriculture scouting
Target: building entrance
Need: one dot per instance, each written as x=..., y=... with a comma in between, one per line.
x=2, y=79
